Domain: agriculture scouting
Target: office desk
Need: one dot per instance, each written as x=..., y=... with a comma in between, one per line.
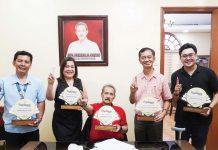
x=175, y=145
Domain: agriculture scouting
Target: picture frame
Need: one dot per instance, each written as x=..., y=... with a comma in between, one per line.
x=85, y=38
x=203, y=60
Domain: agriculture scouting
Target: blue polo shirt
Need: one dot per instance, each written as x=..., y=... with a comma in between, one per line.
x=8, y=89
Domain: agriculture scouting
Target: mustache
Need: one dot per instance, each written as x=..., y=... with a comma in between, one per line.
x=107, y=98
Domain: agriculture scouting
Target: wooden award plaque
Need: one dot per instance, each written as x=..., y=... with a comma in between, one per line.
x=195, y=110
x=22, y=122
x=105, y=127
x=145, y=118
x=2, y=143
x=71, y=107
x=24, y=109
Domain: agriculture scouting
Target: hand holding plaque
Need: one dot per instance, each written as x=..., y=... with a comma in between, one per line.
x=24, y=109
x=71, y=95
x=146, y=108
x=196, y=98
x=106, y=115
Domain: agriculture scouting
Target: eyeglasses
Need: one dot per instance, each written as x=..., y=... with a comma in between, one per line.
x=188, y=55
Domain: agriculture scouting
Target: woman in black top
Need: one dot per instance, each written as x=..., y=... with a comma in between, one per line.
x=66, y=124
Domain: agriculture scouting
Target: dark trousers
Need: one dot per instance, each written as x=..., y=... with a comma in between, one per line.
x=2, y=132
x=18, y=140
x=197, y=133
x=148, y=131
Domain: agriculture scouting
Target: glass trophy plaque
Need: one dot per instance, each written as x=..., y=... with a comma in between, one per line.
x=196, y=98
x=106, y=116
x=24, y=109
x=71, y=95
x=146, y=108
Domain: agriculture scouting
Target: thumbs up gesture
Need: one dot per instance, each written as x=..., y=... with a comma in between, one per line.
x=178, y=87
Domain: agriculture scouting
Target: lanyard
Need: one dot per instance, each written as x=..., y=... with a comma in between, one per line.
x=21, y=92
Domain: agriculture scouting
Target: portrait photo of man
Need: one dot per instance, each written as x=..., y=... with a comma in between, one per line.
x=83, y=49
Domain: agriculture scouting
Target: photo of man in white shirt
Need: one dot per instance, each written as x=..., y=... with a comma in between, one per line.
x=83, y=49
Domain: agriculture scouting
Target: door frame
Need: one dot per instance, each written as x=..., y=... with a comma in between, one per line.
x=180, y=10
x=213, y=129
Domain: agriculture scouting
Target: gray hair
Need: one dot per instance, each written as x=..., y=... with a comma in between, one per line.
x=108, y=85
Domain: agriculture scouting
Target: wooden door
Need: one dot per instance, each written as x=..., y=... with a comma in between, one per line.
x=213, y=130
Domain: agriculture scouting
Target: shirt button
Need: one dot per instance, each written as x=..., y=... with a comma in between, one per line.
x=190, y=85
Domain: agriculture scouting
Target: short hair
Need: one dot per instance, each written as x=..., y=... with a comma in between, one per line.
x=108, y=85
x=186, y=46
x=81, y=23
x=63, y=64
x=23, y=52
x=146, y=49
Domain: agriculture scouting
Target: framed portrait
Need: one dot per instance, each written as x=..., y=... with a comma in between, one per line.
x=203, y=60
x=85, y=38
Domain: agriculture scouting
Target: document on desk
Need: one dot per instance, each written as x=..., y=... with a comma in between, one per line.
x=113, y=144
x=75, y=147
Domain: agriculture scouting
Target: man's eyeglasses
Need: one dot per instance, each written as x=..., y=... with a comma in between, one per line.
x=188, y=55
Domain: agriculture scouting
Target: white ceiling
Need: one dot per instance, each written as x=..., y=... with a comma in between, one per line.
x=188, y=22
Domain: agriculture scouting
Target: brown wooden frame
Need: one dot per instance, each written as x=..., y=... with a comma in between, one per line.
x=177, y=10
x=213, y=130
x=102, y=34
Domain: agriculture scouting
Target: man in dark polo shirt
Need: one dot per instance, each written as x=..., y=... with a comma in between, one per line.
x=190, y=76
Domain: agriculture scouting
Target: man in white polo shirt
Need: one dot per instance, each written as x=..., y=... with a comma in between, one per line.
x=83, y=49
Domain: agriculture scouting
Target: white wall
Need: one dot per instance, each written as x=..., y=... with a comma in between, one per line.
x=32, y=25
x=201, y=40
